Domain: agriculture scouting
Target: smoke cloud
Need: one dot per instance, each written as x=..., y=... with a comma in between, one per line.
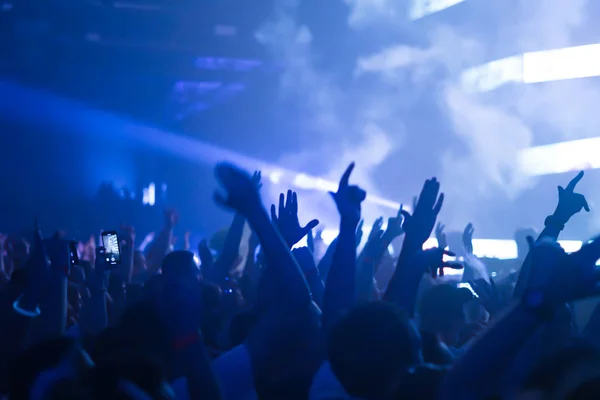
x=363, y=119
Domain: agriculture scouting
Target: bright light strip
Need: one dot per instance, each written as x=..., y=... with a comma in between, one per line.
x=303, y=181
x=423, y=8
x=58, y=112
x=560, y=64
x=482, y=248
x=492, y=75
x=534, y=67
x=544, y=66
x=557, y=158
x=487, y=248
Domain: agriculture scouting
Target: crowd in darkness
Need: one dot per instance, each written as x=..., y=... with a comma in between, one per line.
x=257, y=317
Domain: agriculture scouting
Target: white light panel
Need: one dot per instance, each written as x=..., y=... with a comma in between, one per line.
x=560, y=64
x=534, y=67
x=492, y=75
x=575, y=155
x=422, y=8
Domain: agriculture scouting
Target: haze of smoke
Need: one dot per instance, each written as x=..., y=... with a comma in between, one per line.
x=493, y=127
x=330, y=114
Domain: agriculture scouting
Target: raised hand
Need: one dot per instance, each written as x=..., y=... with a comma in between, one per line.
x=171, y=218
x=440, y=235
x=394, y=227
x=419, y=225
x=38, y=272
x=359, y=232
x=257, y=180
x=569, y=202
x=287, y=221
x=348, y=198
x=432, y=261
x=241, y=189
x=467, y=238
x=206, y=257
x=376, y=231
x=565, y=277
x=488, y=295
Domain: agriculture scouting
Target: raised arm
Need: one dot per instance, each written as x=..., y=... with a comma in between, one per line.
x=340, y=290
x=566, y=278
x=53, y=304
x=25, y=308
x=370, y=258
x=569, y=204
x=231, y=248
x=94, y=316
x=306, y=260
x=242, y=196
x=404, y=284
x=325, y=262
x=365, y=264
x=161, y=245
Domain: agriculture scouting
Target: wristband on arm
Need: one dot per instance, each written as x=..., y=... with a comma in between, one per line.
x=26, y=313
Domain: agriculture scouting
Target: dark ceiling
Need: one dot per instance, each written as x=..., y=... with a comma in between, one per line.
x=160, y=61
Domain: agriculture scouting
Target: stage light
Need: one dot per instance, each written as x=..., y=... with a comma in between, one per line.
x=423, y=8
x=492, y=75
x=560, y=64
x=149, y=195
x=534, y=67
x=560, y=157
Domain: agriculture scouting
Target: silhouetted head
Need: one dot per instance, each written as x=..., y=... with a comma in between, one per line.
x=180, y=264
x=442, y=311
x=570, y=373
x=35, y=373
x=371, y=348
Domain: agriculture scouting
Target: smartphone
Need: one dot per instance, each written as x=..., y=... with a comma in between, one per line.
x=63, y=253
x=110, y=242
x=73, y=253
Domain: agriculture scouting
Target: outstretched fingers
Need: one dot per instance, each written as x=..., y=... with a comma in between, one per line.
x=288, y=201
x=439, y=204
x=309, y=227
x=586, y=207
x=574, y=182
x=281, y=204
x=294, y=204
x=345, y=179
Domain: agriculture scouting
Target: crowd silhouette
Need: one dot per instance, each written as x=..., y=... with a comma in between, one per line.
x=277, y=321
